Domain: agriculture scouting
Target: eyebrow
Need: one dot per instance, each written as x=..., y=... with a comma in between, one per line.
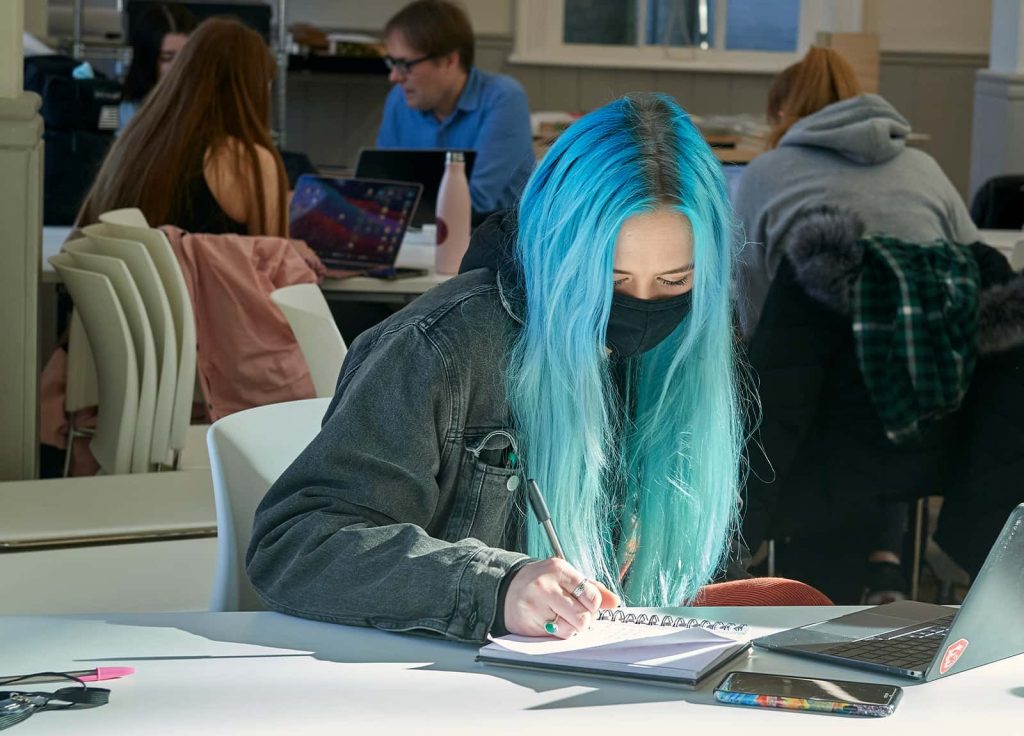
x=683, y=269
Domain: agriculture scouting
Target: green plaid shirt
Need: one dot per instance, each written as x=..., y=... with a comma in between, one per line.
x=915, y=315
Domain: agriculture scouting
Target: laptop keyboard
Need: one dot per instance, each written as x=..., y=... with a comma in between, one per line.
x=909, y=648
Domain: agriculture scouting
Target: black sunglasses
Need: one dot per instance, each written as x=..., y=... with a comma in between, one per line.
x=16, y=706
x=402, y=66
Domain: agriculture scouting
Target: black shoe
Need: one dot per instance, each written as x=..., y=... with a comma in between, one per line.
x=883, y=583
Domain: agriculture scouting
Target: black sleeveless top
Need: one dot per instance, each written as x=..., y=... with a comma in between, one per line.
x=202, y=214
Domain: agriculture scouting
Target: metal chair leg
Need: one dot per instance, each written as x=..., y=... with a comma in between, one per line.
x=915, y=571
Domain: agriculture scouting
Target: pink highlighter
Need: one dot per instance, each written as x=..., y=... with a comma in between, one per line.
x=95, y=675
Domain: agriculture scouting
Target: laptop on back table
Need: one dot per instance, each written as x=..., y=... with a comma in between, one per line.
x=925, y=641
x=355, y=226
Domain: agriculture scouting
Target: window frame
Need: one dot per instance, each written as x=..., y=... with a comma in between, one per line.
x=540, y=28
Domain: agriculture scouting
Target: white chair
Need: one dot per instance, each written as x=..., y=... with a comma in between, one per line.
x=1017, y=257
x=116, y=369
x=158, y=310
x=311, y=320
x=142, y=339
x=130, y=216
x=80, y=389
x=248, y=452
x=184, y=323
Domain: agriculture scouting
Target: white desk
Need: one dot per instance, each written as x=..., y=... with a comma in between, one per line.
x=416, y=252
x=266, y=673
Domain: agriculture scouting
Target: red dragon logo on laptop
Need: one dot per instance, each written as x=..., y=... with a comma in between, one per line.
x=952, y=654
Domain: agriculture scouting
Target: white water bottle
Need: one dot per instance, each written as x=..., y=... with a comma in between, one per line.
x=452, y=214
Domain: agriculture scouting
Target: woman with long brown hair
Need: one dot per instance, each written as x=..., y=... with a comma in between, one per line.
x=198, y=154
x=831, y=144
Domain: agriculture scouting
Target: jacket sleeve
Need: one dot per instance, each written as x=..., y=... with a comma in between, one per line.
x=790, y=357
x=341, y=536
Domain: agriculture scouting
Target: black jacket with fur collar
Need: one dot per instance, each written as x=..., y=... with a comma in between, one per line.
x=820, y=460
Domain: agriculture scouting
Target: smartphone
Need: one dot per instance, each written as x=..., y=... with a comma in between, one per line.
x=802, y=693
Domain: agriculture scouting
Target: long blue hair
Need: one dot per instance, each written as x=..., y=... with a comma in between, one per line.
x=656, y=468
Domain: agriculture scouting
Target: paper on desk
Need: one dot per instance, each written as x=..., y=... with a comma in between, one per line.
x=608, y=641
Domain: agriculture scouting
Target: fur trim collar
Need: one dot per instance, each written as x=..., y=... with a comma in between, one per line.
x=825, y=250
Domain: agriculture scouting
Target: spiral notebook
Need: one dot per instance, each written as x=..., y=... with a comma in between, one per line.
x=628, y=644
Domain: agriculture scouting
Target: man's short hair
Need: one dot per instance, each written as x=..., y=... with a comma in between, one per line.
x=436, y=28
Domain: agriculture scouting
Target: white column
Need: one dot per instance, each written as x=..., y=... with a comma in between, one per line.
x=997, y=146
x=21, y=195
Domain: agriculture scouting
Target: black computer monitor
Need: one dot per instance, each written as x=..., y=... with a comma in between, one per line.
x=422, y=165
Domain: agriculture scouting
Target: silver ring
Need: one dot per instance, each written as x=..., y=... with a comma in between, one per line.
x=578, y=590
x=551, y=626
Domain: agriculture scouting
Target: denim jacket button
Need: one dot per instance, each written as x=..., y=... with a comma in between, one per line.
x=512, y=483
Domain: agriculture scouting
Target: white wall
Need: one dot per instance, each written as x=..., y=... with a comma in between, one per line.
x=941, y=26
x=487, y=16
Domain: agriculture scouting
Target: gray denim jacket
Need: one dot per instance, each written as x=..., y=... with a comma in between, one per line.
x=401, y=514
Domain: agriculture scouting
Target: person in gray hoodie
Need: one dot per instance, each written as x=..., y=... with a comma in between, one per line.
x=835, y=146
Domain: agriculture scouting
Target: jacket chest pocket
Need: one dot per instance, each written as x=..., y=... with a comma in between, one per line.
x=488, y=499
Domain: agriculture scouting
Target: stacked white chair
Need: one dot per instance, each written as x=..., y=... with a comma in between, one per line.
x=117, y=225
x=84, y=255
x=143, y=270
x=117, y=372
x=315, y=330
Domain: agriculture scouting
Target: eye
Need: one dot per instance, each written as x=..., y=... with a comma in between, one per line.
x=620, y=282
x=680, y=282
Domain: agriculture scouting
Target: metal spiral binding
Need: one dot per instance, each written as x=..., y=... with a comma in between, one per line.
x=675, y=622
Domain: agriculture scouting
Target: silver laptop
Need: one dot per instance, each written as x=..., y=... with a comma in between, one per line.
x=925, y=641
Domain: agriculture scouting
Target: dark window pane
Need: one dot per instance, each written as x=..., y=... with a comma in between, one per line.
x=680, y=23
x=601, y=21
x=762, y=25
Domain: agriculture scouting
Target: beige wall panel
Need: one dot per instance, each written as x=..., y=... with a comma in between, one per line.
x=945, y=26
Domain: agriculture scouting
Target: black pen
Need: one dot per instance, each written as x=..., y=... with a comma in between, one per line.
x=540, y=509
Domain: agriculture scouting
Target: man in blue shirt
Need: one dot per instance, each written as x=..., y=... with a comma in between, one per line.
x=440, y=100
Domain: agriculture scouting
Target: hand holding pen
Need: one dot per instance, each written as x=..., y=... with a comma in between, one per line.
x=551, y=597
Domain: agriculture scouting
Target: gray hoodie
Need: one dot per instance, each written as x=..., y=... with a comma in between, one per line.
x=852, y=153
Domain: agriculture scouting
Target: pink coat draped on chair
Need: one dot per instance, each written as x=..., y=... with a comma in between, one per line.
x=246, y=353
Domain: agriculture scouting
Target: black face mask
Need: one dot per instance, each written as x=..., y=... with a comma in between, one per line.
x=637, y=325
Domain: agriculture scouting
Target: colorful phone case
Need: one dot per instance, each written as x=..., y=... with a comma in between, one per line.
x=819, y=706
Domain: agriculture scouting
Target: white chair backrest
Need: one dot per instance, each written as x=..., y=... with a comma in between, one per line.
x=80, y=389
x=311, y=320
x=1017, y=257
x=130, y=216
x=116, y=369
x=248, y=452
x=142, y=340
x=154, y=296
x=167, y=266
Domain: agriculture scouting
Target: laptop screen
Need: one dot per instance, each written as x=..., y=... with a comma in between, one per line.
x=423, y=165
x=352, y=222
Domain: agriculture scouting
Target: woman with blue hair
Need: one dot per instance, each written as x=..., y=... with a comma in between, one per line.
x=594, y=355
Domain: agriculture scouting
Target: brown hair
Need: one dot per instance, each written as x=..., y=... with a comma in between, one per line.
x=435, y=28
x=822, y=77
x=215, y=98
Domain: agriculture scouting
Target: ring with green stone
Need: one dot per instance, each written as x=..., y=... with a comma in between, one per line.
x=551, y=626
